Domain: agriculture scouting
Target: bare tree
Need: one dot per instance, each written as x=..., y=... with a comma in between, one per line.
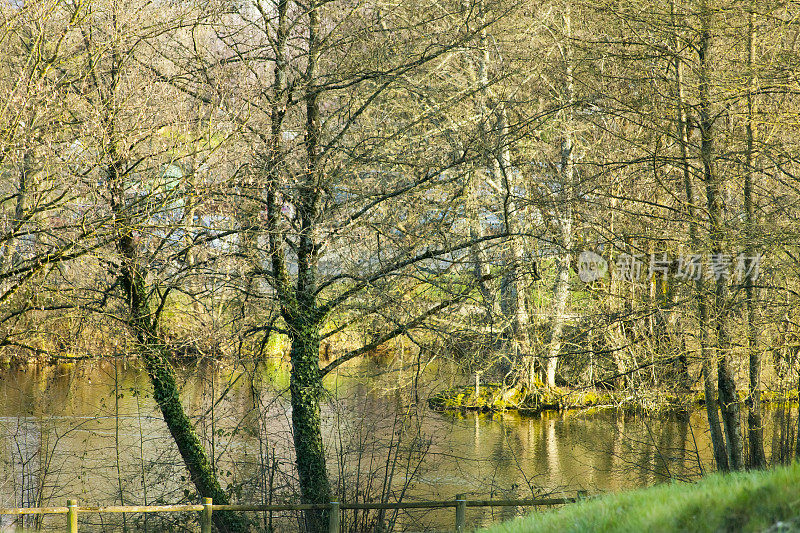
x=357, y=197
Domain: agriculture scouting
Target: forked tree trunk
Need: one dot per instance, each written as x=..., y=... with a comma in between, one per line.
x=710, y=393
x=480, y=268
x=497, y=159
x=300, y=309
x=729, y=400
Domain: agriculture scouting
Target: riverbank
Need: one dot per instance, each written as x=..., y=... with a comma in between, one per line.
x=753, y=501
x=493, y=397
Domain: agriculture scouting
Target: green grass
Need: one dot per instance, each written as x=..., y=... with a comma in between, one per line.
x=756, y=501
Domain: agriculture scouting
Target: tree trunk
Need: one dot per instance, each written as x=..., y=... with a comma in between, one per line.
x=797, y=441
x=306, y=390
x=561, y=286
x=755, y=431
x=14, y=245
x=513, y=285
x=144, y=322
x=301, y=311
x=166, y=391
x=729, y=400
x=497, y=159
x=712, y=407
x=560, y=296
x=717, y=440
x=480, y=269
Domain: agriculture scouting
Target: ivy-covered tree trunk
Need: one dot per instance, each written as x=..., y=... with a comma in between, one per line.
x=131, y=273
x=306, y=390
x=165, y=388
x=165, y=393
x=300, y=307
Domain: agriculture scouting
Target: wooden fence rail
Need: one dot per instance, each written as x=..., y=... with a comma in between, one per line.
x=207, y=508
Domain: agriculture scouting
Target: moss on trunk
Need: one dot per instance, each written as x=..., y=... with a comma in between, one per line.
x=166, y=392
x=306, y=390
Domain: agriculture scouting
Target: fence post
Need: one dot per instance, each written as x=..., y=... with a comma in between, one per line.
x=205, y=515
x=72, y=516
x=461, y=513
x=333, y=518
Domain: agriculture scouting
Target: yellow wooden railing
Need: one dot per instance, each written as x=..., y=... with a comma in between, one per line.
x=207, y=508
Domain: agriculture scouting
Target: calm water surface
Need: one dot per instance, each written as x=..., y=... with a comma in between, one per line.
x=91, y=431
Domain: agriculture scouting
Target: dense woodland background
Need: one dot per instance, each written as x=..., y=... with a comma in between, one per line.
x=326, y=180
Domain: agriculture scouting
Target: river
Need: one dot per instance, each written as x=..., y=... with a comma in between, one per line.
x=91, y=431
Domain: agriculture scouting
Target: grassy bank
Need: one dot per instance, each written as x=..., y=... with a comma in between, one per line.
x=756, y=501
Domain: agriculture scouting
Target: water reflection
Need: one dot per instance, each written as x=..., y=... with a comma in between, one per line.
x=91, y=431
